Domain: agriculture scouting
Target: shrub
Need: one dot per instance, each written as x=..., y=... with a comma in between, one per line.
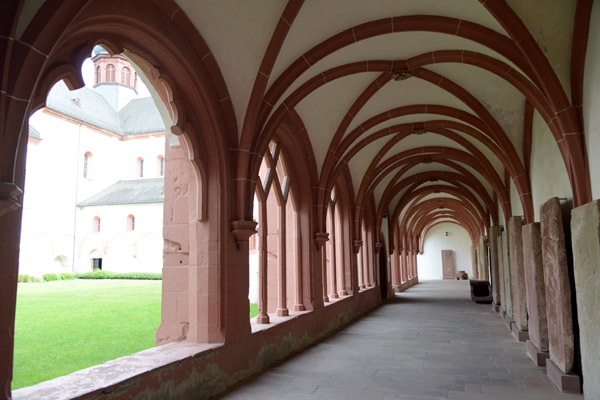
x=35, y=279
x=50, y=277
x=67, y=276
x=24, y=278
x=99, y=274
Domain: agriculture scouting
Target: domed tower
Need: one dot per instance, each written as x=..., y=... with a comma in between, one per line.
x=114, y=78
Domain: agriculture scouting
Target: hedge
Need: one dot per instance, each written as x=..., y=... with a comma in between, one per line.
x=99, y=274
x=96, y=274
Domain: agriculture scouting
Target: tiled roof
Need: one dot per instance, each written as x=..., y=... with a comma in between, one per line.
x=138, y=116
x=138, y=191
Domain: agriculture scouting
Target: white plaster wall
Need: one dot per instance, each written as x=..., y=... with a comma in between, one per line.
x=140, y=250
x=515, y=200
x=54, y=185
x=591, y=100
x=548, y=173
x=430, y=262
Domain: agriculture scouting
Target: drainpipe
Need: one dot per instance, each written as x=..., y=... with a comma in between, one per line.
x=76, y=193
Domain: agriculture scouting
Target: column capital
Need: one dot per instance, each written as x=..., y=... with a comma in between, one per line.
x=242, y=230
x=10, y=197
x=378, y=247
x=356, y=245
x=321, y=238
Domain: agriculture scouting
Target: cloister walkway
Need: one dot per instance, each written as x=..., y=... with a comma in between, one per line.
x=431, y=342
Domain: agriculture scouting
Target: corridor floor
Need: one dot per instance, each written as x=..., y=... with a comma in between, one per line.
x=432, y=342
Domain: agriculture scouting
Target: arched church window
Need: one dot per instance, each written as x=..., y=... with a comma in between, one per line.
x=126, y=76
x=140, y=167
x=98, y=75
x=110, y=73
x=130, y=223
x=161, y=166
x=96, y=224
x=87, y=165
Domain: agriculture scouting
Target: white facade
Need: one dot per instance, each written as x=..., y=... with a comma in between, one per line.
x=72, y=161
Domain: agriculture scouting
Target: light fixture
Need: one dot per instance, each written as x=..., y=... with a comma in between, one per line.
x=400, y=75
x=446, y=233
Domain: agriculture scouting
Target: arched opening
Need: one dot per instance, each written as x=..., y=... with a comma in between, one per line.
x=139, y=167
x=130, y=223
x=88, y=167
x=83, y=220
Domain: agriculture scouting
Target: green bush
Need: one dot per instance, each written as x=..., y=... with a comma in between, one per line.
x=50, y=277
x=24, y=278
x=35, y=279
x=65, y=276
x=99, y=274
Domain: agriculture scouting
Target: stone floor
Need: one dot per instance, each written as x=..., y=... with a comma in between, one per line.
x=431, y=342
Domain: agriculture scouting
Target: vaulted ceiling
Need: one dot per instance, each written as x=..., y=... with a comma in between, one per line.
x=423, y=107
x=419, y=99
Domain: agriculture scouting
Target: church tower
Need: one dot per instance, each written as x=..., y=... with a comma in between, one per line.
x=114, y=78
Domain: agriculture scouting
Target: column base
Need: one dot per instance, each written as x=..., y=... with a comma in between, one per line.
x=299, y=307
x=520, y=335
x=342, y=293
x=495, y=308
x=508, y=322
x=502, y=311
x=566, y=383
x=539, y=357
x=262, y=319
x=333, y=296
x=325, y=299
x=283, y=312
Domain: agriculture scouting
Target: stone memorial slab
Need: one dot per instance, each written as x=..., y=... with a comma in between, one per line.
x=585, y=228
x=517, y=273
x=494, y=233
x=558, y=290
x=537, y=345
x=448, y=264
x=508, y=306
x=501, y=272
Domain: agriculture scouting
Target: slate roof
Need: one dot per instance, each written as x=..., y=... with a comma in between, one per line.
x=138, y=191
x=138, y=116
x=33, y=132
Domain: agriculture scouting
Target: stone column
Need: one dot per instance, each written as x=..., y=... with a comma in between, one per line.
x=558, y=297
x=299, y=303
x=537, y=345
x=394, y=269
x=474, y=263
x=493, y=242
x=282, y=309
x=321, y=238
x=517, y=273
x=333, y=294
x=585, y=228
x=263, y=316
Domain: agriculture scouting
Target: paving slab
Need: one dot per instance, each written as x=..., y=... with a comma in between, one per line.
x=429, y=342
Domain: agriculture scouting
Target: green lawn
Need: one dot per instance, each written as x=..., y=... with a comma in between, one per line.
x=65, y=326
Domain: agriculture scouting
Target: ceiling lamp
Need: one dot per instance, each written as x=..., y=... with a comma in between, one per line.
x=400, y=75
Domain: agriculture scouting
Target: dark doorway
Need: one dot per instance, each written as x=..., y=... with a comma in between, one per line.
x=96, y=263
